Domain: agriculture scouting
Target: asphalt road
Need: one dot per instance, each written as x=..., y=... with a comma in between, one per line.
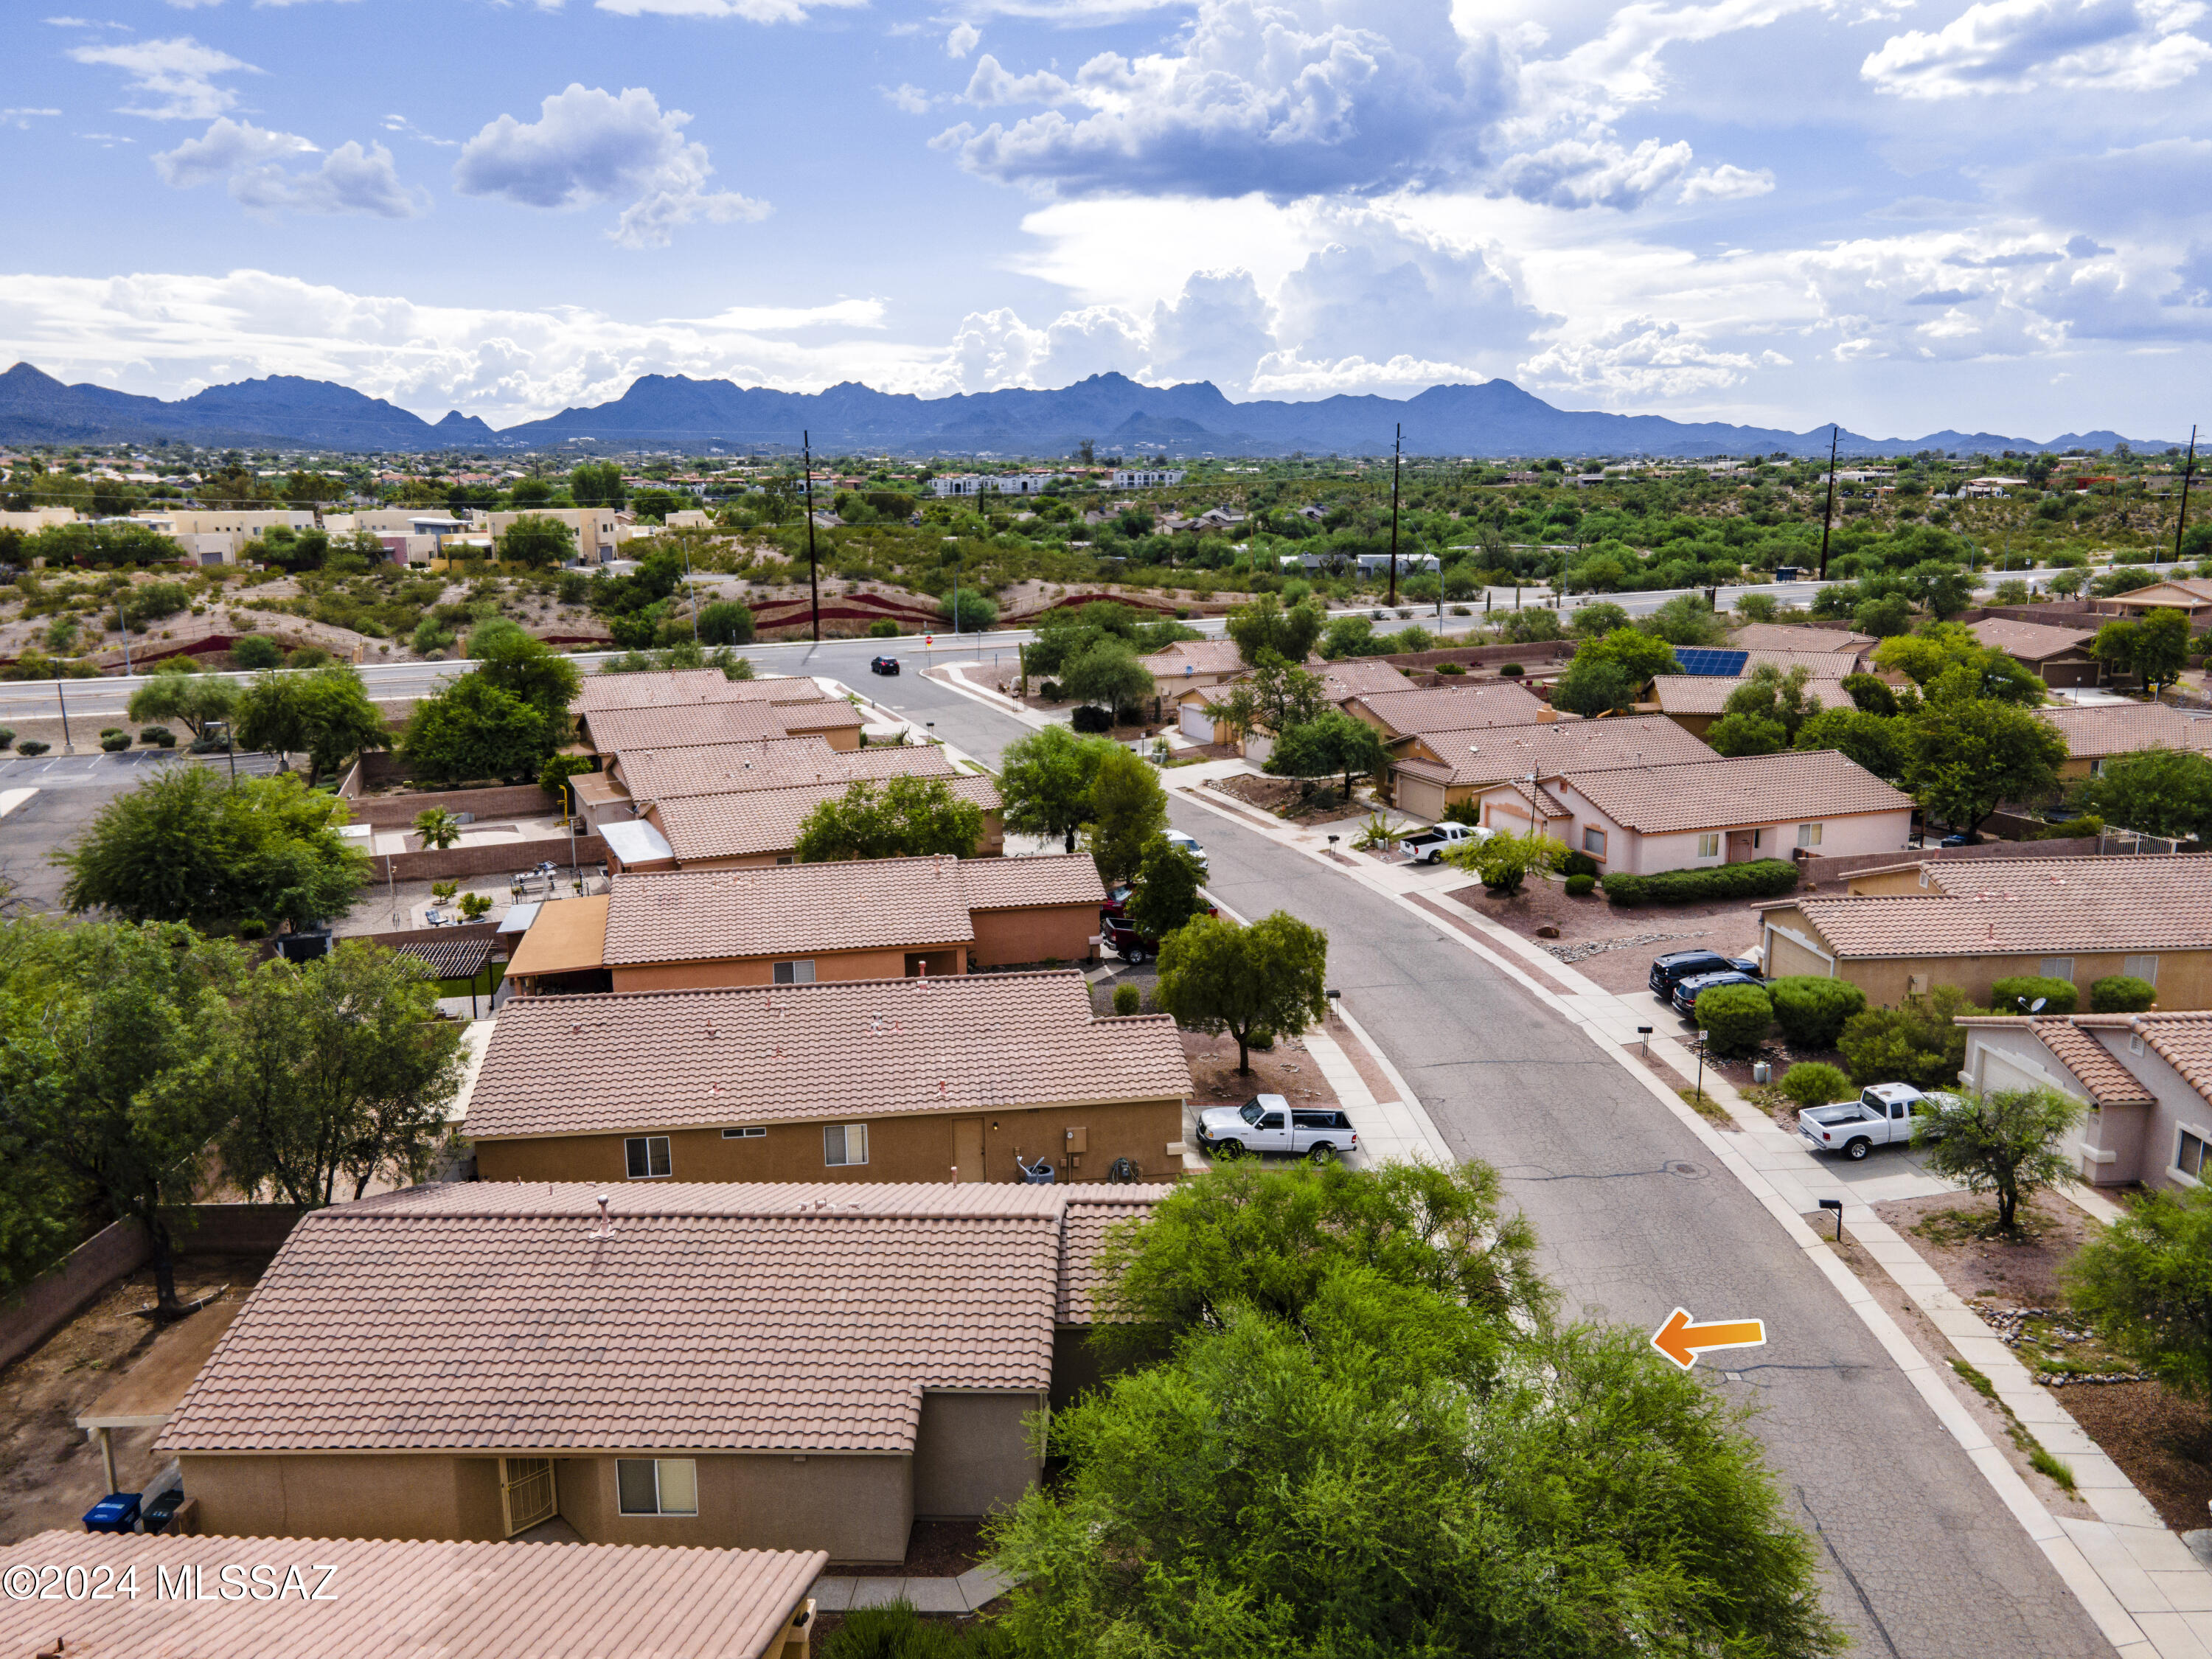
x=1923, y=1561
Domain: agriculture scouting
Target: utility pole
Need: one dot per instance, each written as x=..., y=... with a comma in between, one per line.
x=1829, y=512
x=1397, y=445
x=68, y=748
x=2181, y=519
x=124, y=624
x=813, y=567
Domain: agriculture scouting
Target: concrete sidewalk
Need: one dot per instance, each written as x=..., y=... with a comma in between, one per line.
x=965, y=1593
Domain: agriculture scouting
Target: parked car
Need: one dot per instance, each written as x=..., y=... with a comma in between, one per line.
x=1117, y=899
x=1269, y=1123
x=883, y=666
x=1429, y=845
x=1880, y=1117
x=1687, y=992
x=1671, y=969
x=1120, y=936
x=1177, y=838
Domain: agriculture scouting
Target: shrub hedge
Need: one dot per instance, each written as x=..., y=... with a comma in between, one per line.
x=1089, y=718
x=1579, y=886
x=114, y=742
x=1758, y=879
x=1580, y=863
x=1734, y=1017
x=7, y=736
x=1814, y=1082
x=31, y=746
x=1811, y=1011
x=1128, y=1000
x=158, y=737
x=2015, y=994
x=2121, y=994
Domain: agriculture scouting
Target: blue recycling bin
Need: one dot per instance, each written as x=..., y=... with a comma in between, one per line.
x=117, y=1512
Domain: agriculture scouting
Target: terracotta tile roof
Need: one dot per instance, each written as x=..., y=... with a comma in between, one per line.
x=1820, y=664
x=2029, y=907
x=1705, y=693
x=2102, y=1073
x=1017, y=884
x=1542, y=799
x=679, y=687
x=1206, y=656
x=2031, y=641
x=1092, y=1214
x=1720, y=794
x=1459, y=708
x=1495, y=754
x=1360, y=676
x=493, y=1317
x=612, y=731
x=722, y=768
x=2182, y=1039
x=795, y=909
x=746, y=823
x=2105, y=729
x=1780, y=636
x=598, y=789
x=803, y=1053
x=397, y=1599
x=2177, y=590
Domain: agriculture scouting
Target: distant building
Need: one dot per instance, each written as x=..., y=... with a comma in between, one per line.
x=996, y=483
x=1131, y=477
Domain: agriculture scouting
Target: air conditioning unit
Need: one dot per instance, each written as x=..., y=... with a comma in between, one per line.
x=465, y=817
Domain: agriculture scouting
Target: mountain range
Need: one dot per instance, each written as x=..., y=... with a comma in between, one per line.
x=1117, y=414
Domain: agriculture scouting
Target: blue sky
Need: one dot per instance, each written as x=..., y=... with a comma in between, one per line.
x=1995, y=216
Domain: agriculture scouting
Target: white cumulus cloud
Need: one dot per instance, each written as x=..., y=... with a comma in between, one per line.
x=960, y=40
x=588, y=145
x=174, y=78
x=250, y=160
x=2019, y=45
x=1286, y=98
x=1726, y=183
x=1581, y=172
x=752, y=11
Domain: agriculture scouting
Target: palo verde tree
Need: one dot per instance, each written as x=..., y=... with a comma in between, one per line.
x=2145, y=1282
x=524, y=666
x=191, y=699
x=325, y=714
x=2004, y=1142
x=1264, y=625
x=900, y=818
x=474, y=728
x=1218, y=976
x=1045, y=780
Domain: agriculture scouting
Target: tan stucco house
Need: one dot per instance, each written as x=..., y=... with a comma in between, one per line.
x=948, y=1079
x=1903, y=929
x=1432, y=769
x=2056, y=656
x=725, y=1367
x=2096, y=734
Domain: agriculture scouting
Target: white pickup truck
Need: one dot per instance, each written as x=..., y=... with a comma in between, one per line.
x=1880, y=1115
x=1269, y=1123
x=1429, y=845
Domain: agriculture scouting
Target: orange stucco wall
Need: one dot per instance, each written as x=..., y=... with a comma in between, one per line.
x=1060, y=933
x=757, y=970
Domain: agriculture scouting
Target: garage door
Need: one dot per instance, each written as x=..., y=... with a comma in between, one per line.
x=1197, y=725
x=1421, y=796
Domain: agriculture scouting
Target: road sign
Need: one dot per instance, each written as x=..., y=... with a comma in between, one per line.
x=1682, y=1341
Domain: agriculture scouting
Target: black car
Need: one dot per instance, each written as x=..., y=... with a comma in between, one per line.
x=1671, y=969
x=883, y=666
x=1687, y=992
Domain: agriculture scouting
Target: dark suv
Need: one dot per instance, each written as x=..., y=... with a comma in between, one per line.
x=1671, y=969
x=1686, y=992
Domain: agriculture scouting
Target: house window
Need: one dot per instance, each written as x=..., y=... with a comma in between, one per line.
x=1593, y=843
x=646, y=1156
x=657, y=1486
x=795, y=973
x=845, y=1143
x=1709, y=846
x=2188, y=1160
x=2058, y=968
x=1808, y=834
x=2142, y=967
x=750, y=1131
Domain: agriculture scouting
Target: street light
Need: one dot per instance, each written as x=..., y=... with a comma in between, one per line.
x=1702, y=1036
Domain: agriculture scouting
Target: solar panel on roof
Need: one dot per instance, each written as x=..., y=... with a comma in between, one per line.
x=1703, y=660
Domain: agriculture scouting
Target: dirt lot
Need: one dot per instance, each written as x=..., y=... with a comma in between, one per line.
x=51, y=1469
x=1286, y=1070
x=2162, y=1442
x=1611, y=946
x=1278, y=796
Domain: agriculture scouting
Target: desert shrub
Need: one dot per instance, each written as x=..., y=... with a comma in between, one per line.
x=1580, y=863
x=1811, y=1011
x=1813, y=1083
x=1920, y=1043
x=1734, y=1017
x=256, y=651
x=2088, y=824
x=882, y=628
x=2121, y=994
x=31, y=746
x=1756, y=878
x=1460, y=811
x=1088, y=718
x=1512, y=671
x=1451, y=668
x=2013, y=995
x=114, y=742
x=1050, y=691
x=7, y=736
x=158, y=737
x=1581, y=886
x=1126, y=999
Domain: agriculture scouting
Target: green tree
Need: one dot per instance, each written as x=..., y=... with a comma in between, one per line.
x=1643, y=657
x=2005, y=1142
x=1686, y=619
x=189, y=846
x=904, y=816
x=526, y=667
x=1933, y=656
x=1939, y=587
x=1779, y=699
x=1128, y=808
x=2146, y=1283
x=1873, y=742
x=2157, y=648
x=1505, y=862
x=1044, y=779
x=553, y=777
x=1919, y=1041
x=1107, y=675
x=1737, y=735
x=538, y=541
x=1871, y=695
x=1883, y=615
x=120, y=1084
x=727, y=622
x=596, y=483
x=1351, y=636
x=438, y=827
x=1218, y=976
x=326, y=714
x=474, y=729
x=1964, y=756
x=1166, y=889
x=1595, y=621
x=1265, y=625
x=1332, y=741
x=2154, y=792
x=1593, y=686
x=978, y=611
x=195, y=700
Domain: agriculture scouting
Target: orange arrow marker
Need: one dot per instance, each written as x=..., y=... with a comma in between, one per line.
x=1682, y=1342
